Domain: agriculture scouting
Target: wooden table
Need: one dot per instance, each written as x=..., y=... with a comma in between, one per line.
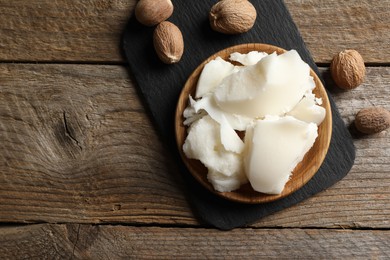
x=83, y=173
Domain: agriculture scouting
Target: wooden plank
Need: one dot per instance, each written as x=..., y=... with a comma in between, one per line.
x=332, y=26
x=77, y=146
x=90, y=31
x=46, y=241
x=67, y=30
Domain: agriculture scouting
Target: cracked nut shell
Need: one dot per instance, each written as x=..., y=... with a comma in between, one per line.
x=153, y=12
x=168, y=42
x=348, y=69
x=232, y=16
x=372, y=120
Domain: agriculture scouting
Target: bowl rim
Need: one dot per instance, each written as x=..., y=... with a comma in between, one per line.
x=191, y=85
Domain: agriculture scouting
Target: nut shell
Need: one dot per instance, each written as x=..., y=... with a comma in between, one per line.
x=153, y=12
x=168, y=42
x=372, y=120
x=232, y=16
x=348, y=69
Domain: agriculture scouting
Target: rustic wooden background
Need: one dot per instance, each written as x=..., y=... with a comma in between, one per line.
x=84, y=175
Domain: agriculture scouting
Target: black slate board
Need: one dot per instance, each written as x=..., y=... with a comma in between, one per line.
x=160, y=85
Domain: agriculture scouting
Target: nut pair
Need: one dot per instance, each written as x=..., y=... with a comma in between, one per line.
x=167, y=37
x=348, y=71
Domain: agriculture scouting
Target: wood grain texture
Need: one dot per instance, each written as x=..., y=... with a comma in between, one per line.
x=67, y=30
x=77, y=146
x=329, y=27
x=90, y=31
x=73, y=241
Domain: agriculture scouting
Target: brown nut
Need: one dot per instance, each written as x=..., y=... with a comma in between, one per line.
x=232, y=16
x=168, y=42
x=372, y=120
x=347, y=69
x=153, y=12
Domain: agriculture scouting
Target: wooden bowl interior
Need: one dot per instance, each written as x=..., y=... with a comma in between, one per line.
x=303, y=172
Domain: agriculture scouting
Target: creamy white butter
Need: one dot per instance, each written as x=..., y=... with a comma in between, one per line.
x=251, y=58
x=308, y=109
x=203, y=143
x=270, y=98
x=271, y=87
x=208, y=104
x=274, y=146
x=223, y=183
x=212, y=75
x=229, y=138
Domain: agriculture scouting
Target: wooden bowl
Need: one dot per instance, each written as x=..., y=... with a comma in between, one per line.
x=302, y=173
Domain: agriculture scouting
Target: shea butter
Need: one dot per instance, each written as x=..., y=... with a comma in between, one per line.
x=251, y=58
x=252, y=122
x=309, y=109
x=204, y=143
x=274, y=146
x=273, y=86
x=212, y=75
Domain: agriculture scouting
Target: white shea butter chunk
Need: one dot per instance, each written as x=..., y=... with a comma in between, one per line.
x=223, y=183
x=212, y=75
x=273, y=86
x=229, y=138
x=308, y=110
x=273, y=148
x=208, y=104
x=250, y=58
x=190, y=114
x=203, y=143
x=270, y=97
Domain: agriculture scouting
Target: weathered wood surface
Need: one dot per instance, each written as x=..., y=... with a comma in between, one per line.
x=78, y=146
x=90, y=31
x=66, y=30
x=332, y=26
x=47, y=241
